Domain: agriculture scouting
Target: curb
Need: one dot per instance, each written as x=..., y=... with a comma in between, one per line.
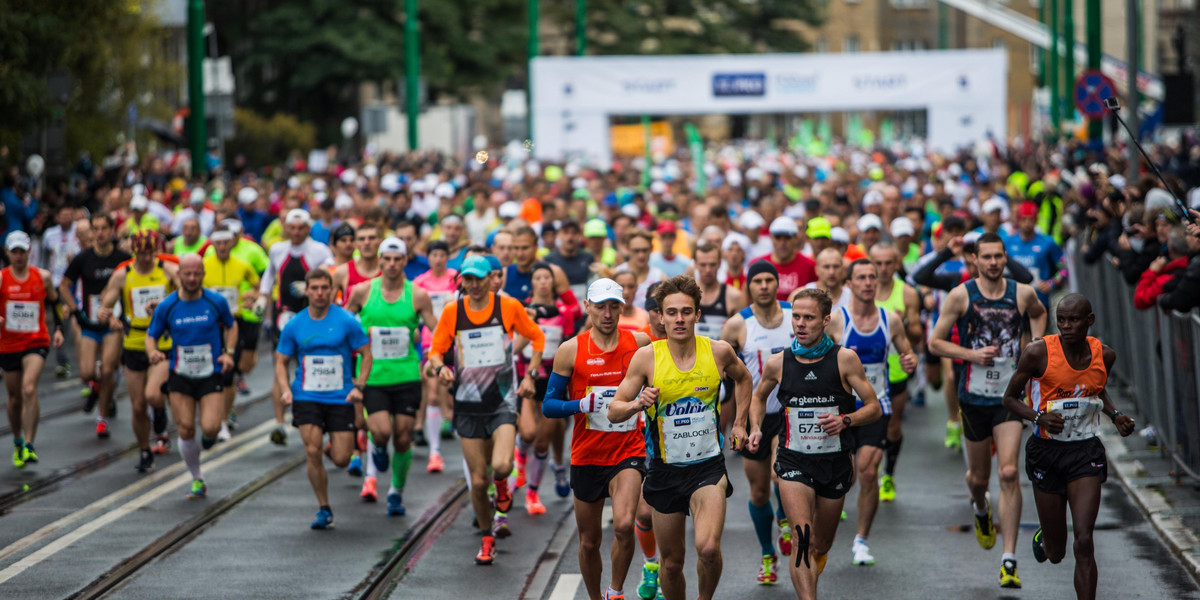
x=1182, y=541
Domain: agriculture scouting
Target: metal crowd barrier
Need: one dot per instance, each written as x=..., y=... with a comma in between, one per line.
x=1158, y=358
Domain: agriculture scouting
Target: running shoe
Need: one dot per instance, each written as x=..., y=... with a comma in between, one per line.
x=145, y=461
x=324, y=519
x=90, y=397
x=396, y=505
x=28, y=454
x=447, y=430
x=562, y=485
x=1039, y=549
x=279, y=436
x=953, y=434
x=919, y=399
x=162, y=444
x=504, y=497
x=369, y=493
x=243, y=388
x=862, y=554
x=101, y=429
x=985, y=530
x=1008, y=575
x=436, y=464
x=785, y=537
x=232, y=421
x=355, y=467
x=18, y=457
x=500, y=527
x=223, y=435
x=360, y=438
x=766, y=573
x=519, y=462
x=887, y=489
x=62, y=371
x=487, y=551
x=843, y=516
x=380, y=457
x=419, y=439
x=659, y=595
x=649, y=585
x=199, y=490
x=160, y=421
x=614, y=595
x=533, y=504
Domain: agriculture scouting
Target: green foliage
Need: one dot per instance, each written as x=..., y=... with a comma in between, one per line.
x=263, y=141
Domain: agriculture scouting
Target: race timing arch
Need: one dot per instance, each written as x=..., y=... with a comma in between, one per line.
x=963, y=91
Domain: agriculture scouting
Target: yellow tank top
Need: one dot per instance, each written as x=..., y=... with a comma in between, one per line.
x=684, y=426
x=136, y=299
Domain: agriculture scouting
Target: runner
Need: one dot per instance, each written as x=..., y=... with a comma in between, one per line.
x=24, y=341
x=484, y=395
x=897, y=296
x=756, y=333
x=342, y=246
x=92, y=269
x=323, y=396
x=831, y=277
x=640, y=244
x=237, y=283
x=795, y=269
x=59, y=248
x=391, y=310
x=574, y=261
x=685, y=477
x=441, y=284
x=290, y=261
x=817, y=381
x=518, y=275
x=1064, y=459
x=363, y=268
x=869, y=331
x=718, y=301
x=990, y=313
x=204, y=339
x=141, y=286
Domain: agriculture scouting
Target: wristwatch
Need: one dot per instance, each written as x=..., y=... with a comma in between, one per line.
x=846, y=420
x=230, y=351
x=360, y=388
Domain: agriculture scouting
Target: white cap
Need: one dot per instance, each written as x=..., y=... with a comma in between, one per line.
x=751, y=220
x=578, y=182
x=221, y=236
x=393, y=245
x=370, y=171
x=632, y=210
x=390, y=183
x=509, y=210
x=247, y=195
x=742, y=241
x=139, y=202
x=197, y=195
x=658, y=187
x=452, y=218
x=298, y=216
x=234, y=225
x=603, y=290
x=138, y=189
x=1117, y=181
x=320, y=197
x=869, y=221
x=417, y=186
x=993, y=205
x=1160, y=199
x=1194, y=199
x=343, y=202
x=928, y=189
x=902, y=226
x=872, y=198
x=318, y=185
x=784, y=226
x=349, y=176
x=17, y=239
x=839, y=235
x=293, y=183
x=971, y=237
x=445, y=190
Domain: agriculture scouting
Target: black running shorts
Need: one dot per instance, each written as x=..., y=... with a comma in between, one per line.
x=11, y=361
x=400, y=399
x=1051, y=464
x=872, y=434
x=481, y=427
x=978, y=419
x=772, y=426
x=195, y=388
x=830, y=476
x=329, y=417
x=669, y=488
x=590, y=482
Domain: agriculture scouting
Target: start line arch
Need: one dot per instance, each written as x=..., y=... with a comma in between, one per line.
x=963, y=91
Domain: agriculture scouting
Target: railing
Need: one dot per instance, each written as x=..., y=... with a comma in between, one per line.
x=1158, y=358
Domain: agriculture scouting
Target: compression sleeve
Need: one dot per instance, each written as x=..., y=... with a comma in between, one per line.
x=556, y=405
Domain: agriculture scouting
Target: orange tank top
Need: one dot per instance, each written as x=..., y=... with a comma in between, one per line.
x=1062, y=382
x=595, y=440
x=24, y=319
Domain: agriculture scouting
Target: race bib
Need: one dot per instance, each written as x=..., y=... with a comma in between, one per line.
x=690, y=437
x=1081, y=418
x=483, y=347
x=195, y=362
x=94, y=306
x=804, y=432
x=283, y=318
x=322, y=374
x=992, y=381
x=877, y=377
x=710, y=327
x=439, y=300
x=554, y=336
x=390, y=342
x=141, y=298
x=231, y=296
x=597, y=420
x=22, y=316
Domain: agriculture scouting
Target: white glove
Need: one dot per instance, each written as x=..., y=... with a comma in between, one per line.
x=590, y=404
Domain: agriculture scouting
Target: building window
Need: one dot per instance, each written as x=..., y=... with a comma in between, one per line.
x=850, y=44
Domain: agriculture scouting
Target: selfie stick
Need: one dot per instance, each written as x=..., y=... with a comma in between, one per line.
x=1112, y=104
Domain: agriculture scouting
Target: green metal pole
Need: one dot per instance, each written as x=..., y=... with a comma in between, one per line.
x=1055, y=80
x=580, y=27
x=412, y=72
x=943, y=16
x=1045, y=18
x=197, y=126
x=533, y=52
x=1095, y=126
x=1069, y=59
x=645, y=185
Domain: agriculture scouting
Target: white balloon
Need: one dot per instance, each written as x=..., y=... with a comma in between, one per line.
x=35, y=165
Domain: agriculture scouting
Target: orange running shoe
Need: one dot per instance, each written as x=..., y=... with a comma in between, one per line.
x=487, y=552
x=520, y=462
x=504, y=497
x=369, y=493
x=435, y=463
x=101, y=429
x=533, y=504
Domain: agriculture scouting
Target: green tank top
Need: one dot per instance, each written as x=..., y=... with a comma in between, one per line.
x=392, y=327
x=895, y=303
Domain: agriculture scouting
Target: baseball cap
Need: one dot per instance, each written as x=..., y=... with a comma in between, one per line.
x=196, y=196
x=751, y=220
x=452, y=218
x=595, y=228
x=318, y=185
x=392, y=245
x=869, y=221
x=819, y=227
x=784, y=226
x=872, y=198
x=993, y=205
x=603, y=290
x=247, y=195
x=221, y=235
x=18, y=239
x=341, y=231
x=476, y=266
x=343, y=202
x=902, y=226
x=666, y=227
x=139, y=203
x=1027, y=210
x=734, y=237
x=495, y=262
x=233, y=225
x=581, y=193
x=839, y=235
x=298, y=216
x=509, y=210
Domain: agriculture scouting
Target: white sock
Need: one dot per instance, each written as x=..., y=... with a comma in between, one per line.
x=190, y=451
x=1008, y=556
x=370, y=458
x=433, y=429
x=860, y=539
x=467, y=473
x=535, y=465
x=981, y=512
x=612, y=592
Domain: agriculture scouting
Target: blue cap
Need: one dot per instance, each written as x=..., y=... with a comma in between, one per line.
x=477, y=266
x=495, y=262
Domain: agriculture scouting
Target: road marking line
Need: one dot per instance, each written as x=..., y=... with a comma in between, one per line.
x=62, y=385
x=129, y=490
x=133, y=505
x=567, y=586
x=543, y=573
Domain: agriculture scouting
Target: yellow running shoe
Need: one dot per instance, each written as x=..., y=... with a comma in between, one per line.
x=1008, y=575
x=887, y=489
x=985, y=530
x=18, y=461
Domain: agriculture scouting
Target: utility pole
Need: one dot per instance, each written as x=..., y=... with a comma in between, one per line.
x=533, y=51
x=1132, y=29
x=1055, y=80
x=197, y=129
x=943, y=17
x=1095, y=126
x=580, y=27
x=412, y=72
x=1069, y=58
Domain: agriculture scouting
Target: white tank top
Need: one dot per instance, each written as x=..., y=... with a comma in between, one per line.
x=761, y=343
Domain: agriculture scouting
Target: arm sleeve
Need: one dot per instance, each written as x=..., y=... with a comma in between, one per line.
x=268, y=280
x=925, y=274
x=443, y=336
x=556, y=405
x=514, y=313
x=1020, y=273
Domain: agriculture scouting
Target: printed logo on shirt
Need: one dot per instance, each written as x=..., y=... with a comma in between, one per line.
x=595, y=362
x=811, y=376
x=701, y=389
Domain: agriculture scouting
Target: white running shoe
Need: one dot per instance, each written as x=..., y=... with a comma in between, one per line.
x=862, y=555
x=224, y=435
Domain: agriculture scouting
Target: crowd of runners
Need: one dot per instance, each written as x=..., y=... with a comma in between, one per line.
x=785, y=317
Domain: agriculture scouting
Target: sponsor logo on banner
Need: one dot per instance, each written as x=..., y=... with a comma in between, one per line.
x=657, y=85
x=739, y=84
x=795, y=83
x=880, y=82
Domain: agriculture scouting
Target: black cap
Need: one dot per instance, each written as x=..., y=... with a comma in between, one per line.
x=341, y=231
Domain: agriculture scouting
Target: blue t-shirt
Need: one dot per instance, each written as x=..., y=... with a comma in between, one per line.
x=415, y=267
x=456, y=261
x=193, y=326
x=1040, y=255
x=324, y=350
x=517, y=284
x=320, y=231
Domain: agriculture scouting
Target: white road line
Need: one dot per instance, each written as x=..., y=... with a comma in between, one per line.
x=129, y=490
x=566, y=587
x=174, y=485
x=62, y=385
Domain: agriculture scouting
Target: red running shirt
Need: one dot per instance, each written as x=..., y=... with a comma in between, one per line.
x=596, y=441
x=24, y=321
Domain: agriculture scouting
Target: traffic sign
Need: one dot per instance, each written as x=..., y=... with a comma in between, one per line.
x=1091, y=89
